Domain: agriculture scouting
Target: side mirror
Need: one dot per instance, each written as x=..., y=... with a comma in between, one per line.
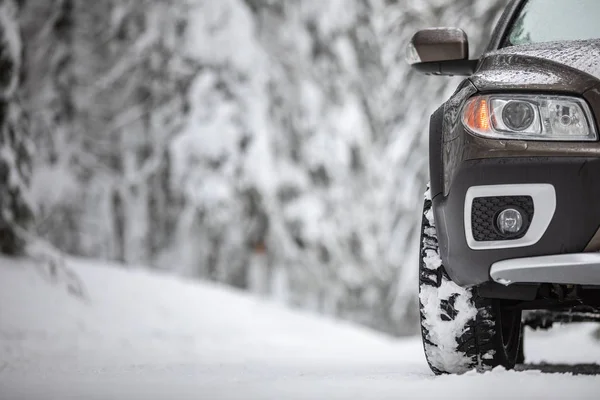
x=440, y=51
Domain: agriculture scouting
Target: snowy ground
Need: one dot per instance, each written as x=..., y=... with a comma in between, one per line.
x=156, y=337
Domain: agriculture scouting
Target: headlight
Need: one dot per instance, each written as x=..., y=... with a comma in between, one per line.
x=527, y=117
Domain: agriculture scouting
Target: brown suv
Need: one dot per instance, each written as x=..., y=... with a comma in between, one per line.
x=510, y=232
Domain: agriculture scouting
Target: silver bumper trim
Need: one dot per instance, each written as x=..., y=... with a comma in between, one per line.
x=574, y=269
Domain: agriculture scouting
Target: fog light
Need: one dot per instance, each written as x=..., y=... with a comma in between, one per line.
x=509, y=221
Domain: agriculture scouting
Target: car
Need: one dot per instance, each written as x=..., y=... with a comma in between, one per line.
x=510, y=228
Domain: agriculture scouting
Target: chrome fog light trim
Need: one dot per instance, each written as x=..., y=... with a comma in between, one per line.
x=544, y=202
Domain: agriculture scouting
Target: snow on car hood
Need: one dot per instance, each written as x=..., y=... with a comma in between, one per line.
x=570, y=66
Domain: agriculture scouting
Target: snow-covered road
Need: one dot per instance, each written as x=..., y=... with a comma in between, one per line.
x=157, y=337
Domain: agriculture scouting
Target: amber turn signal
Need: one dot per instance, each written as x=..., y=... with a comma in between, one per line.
x=477, y=115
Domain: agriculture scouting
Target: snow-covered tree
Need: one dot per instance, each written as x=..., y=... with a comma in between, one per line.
x=107, y=90
x=16, y=207
x=275, y=145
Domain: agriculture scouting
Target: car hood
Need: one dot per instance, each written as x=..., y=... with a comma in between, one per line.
x=572, y=66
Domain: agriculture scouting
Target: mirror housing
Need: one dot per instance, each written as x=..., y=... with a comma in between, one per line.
x=440, y=51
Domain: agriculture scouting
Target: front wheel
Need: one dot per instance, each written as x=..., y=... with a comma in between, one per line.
x=461, y=331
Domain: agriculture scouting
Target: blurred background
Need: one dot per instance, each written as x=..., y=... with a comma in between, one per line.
x=277, y=146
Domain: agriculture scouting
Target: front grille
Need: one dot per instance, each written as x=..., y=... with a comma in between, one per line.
x=485, y=210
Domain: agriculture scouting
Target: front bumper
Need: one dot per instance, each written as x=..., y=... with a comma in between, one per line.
x=576, y=182
x=568, y=269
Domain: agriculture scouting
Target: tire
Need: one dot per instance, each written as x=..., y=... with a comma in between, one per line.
x=460, y=330
x=521, y=354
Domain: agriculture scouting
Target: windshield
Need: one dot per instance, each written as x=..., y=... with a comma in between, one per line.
x=552, y=20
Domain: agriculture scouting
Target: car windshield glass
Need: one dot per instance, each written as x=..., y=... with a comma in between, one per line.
x=553, y=20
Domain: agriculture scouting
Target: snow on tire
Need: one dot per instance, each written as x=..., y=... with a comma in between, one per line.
x=460, y=330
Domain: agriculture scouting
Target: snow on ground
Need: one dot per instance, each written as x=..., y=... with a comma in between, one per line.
x=140, y=335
